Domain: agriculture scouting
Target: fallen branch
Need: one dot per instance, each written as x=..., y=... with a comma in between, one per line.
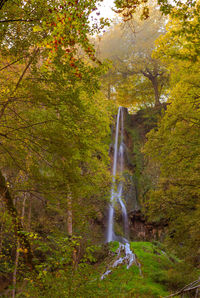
x=190, y=287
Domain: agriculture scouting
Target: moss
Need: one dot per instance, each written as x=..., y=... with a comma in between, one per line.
x=129, y=283
x=122, y=282
x=114, y=245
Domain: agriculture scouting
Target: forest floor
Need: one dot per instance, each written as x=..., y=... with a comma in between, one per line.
x=157, y=278
x=86, y=281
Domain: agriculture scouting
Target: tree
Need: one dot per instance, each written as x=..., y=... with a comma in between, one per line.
x=175, y=144
x=130, y=47
x=54, y=122
x=178, y=8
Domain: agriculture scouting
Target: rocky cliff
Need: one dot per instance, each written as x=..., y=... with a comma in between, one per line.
x=140, y=174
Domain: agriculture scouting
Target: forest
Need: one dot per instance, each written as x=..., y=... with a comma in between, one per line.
x=99, y=148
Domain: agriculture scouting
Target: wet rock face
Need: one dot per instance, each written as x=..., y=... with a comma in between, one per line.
x=142, y=230
x=137, y=172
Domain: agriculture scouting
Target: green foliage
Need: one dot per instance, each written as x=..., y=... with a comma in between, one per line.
x=113, y=246
x=7, y=242
x=138, y=159
x=144, y=172
x=135, y=92
x=175, y=144
x=54, y=131
x=85, y=280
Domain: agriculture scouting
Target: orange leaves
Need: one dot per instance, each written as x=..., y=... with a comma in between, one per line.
x=68, y=30
x=73, y=62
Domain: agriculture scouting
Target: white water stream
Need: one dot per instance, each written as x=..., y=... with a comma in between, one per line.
x=124, y=253
x=117, y=190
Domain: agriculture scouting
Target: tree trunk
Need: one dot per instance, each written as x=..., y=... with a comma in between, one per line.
x=29, y=216
x=109, y=91
x=1, y=237
x=154, y=80
x=18, y=228
x=69, y=215
x=18, y=252
x=70, y=228
x=156, y=91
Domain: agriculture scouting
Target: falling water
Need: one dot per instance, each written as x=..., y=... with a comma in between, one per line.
x=117, y=190
x=110, y=232
x=124, y=252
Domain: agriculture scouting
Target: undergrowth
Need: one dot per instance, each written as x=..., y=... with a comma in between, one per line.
x=122, y=282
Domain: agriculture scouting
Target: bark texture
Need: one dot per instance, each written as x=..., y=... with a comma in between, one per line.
x=18, y=227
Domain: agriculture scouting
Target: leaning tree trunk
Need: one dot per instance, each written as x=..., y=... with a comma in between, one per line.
x=18, y=228
x=154, y=80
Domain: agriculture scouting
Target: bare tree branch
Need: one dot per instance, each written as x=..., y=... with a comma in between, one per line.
x=35, y=52
x=190, y=287
x=8, y=65
x=19, y=20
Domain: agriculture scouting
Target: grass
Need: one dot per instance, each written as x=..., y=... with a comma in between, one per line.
x=122, y=282
x=129, y=283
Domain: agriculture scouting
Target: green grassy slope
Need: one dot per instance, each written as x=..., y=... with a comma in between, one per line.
x=85, y=282
x=129, y=283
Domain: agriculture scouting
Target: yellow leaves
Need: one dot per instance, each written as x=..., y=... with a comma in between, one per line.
x=23, y=250
x=48, y=46
x=181, y=42
x=33, y=235
x=37, y=28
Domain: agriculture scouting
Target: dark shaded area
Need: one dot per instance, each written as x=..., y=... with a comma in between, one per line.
x=142, y=230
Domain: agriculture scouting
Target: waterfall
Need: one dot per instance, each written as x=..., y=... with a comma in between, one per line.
x=124, y=252
x=110, y=231
x=117, y=190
